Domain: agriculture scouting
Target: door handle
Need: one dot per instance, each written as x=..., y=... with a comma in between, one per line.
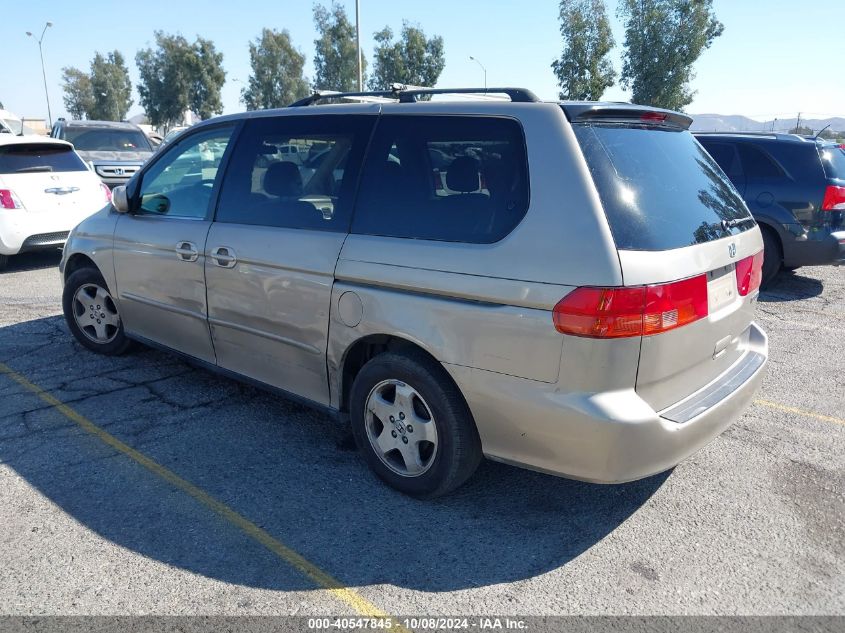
x=187, y=251
x=224, y=257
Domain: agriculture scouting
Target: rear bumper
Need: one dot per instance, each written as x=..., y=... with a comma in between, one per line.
x=840, y=239
x=31, y=231
x=609, y=437
x=825, y=249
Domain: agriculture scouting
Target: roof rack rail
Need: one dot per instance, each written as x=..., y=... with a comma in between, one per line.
x=409, y=94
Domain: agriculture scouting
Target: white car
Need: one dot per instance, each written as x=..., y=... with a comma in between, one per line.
x=45, y=190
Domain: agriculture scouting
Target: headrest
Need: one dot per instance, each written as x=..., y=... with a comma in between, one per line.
x=462, y=174
x=283, y=179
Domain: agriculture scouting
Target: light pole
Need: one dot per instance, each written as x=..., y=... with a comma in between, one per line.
x=473, y=59
x=43, y=72
x=358, y=44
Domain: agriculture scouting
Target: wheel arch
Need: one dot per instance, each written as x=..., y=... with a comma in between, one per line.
x=773, y=231
x=360, y=351
x=78, y=261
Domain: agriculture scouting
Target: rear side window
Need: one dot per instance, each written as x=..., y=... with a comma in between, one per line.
x=295, y=172
x=38, y=157
x=757, y=163
x=447, y=178
x=726, y=155
x=659, y=188
x=833, y=159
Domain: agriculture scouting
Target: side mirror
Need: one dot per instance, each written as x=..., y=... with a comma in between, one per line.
x=119, y=200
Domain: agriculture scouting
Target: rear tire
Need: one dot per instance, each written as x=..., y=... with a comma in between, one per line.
x=4, y=260
x=92, y=314
x=428, y=445
x=772, y=257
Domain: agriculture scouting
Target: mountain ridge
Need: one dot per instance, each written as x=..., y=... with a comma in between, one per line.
x=737, y=123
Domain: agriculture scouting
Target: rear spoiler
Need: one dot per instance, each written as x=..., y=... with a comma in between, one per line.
x=625, y=113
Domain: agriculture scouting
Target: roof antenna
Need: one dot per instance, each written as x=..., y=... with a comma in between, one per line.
x=816, y=137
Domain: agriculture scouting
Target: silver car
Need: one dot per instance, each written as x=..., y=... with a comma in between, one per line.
x=571, y=288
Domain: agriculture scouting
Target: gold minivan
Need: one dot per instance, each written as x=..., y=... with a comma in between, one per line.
x=568, y=287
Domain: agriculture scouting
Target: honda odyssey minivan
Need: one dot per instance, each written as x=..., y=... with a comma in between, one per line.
x=568, y=287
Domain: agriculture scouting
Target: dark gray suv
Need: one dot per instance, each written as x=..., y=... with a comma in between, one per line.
x=794, y=187
x=115, y=150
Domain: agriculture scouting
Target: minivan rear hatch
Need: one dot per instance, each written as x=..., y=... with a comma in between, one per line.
x=683, y=234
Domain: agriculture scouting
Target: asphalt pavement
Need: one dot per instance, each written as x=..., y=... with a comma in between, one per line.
x=119, y=517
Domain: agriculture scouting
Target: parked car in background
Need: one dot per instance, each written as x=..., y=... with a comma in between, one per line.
x=45, y=190
x=173, y=133
x=115, y=150
x=156, y=139
x=589, y=312
x=12, y=124
x=795, y=189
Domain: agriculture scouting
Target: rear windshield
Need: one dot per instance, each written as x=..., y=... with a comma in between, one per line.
x=660, y=189
x=106, y=140
x=833, y=159
x=38, y=157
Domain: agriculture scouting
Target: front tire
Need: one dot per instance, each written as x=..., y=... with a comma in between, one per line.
x=412, y=425
x=4, y=260
x=92, y=314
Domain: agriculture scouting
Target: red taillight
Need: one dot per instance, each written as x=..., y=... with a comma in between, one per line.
x=834, y=199
x=640, y=311
x=8, y=200
x=654, y=117
x=749, y=274
x=106, y=191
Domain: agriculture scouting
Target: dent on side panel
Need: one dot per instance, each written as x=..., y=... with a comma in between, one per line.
x=94, y=238
x=504, y=339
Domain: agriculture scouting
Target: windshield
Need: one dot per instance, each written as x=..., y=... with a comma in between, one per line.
x=659, y=188
x=107, y=140
x=833, y=159
x=38, y=157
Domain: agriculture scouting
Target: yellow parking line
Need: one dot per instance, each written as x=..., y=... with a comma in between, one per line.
x=360, y=604
x=809, y=414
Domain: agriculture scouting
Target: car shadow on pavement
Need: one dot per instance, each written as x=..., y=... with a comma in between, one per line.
x=32, y=261
x=289, y=470
x=791, y=286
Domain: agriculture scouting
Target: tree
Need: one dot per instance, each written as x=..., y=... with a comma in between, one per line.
x=111, y=90
x=413, y=59
x=663, y=39
x=78, y=96
x=177, y=76
x=276, y=78
x=208, y=78
x=583, y=71
x=335, y=50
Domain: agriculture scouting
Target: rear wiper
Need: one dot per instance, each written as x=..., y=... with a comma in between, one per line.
x=734, y=222
x=38, y=168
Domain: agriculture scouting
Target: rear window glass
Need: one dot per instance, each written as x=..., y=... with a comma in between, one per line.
x=38, y=157
x=106, y=140
x=833, y=159
x=660, y=189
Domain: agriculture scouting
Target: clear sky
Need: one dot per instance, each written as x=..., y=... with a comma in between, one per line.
x=776, y=57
